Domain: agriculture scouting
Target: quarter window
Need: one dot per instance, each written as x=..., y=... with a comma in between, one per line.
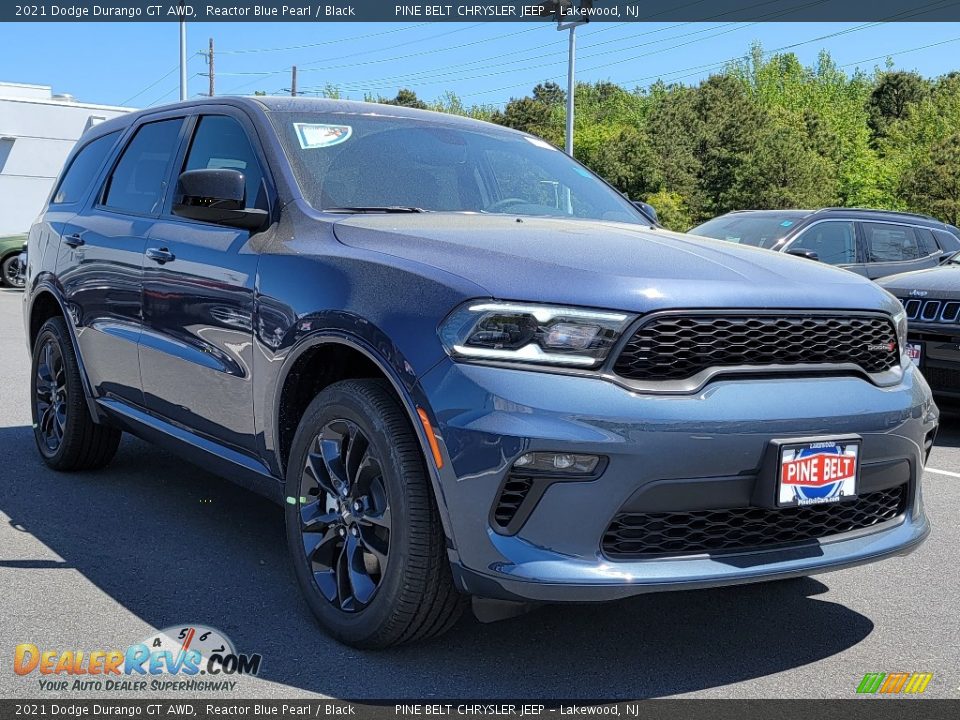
x=140, y=177
x=83, y=170
x=221, y=142
x=891, y=243
x=834, y=242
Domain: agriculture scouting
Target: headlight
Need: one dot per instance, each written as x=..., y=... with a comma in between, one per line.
x=541, y=334
x=900, y=321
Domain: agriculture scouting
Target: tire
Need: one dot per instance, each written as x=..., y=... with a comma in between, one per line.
x=359, y=502
x=9, y=271
x=67, y=437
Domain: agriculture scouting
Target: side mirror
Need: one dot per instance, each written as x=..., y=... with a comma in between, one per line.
x=808, y=254
x=647, y=209
x=947, y=257
x=216, y=195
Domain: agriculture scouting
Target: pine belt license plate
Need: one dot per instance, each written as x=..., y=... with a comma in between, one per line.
x=815, y=473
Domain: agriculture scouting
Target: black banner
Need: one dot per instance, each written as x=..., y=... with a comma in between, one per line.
x=416, y=11
x=110, y=709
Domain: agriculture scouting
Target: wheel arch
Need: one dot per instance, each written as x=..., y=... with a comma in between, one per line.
x=411, y=400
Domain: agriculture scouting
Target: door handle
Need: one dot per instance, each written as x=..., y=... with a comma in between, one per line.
x=160, y=255
x=74, y=240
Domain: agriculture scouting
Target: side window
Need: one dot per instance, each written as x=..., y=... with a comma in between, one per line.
x=140, y=177
x=891, y=243
x=947, y=242
x=83, y=170
x=928, y=244
x=834, y=242
x=221, y=142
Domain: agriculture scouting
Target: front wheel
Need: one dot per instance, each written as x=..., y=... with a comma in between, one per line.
x=10, y=269
x=362, y=526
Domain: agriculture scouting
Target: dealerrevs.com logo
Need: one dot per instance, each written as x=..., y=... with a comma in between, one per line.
x=182, y=658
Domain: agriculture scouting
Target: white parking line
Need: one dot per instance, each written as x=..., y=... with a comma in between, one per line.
x=942, y=472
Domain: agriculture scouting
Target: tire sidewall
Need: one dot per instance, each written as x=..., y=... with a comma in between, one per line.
x=3, y=272
x=55, y=329
x=335, y=404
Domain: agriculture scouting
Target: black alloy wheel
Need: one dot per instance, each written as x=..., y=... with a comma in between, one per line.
x=345, y=515
x=50, y=396
x=11, y=272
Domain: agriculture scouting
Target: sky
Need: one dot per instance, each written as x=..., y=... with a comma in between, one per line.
x=135, y=64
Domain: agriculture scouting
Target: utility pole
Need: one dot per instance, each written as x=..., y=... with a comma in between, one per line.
x=183, y=59
x=571, y=88
x=293, y=81
x=210, y=63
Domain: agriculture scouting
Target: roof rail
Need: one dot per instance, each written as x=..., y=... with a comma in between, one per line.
x=879, y=210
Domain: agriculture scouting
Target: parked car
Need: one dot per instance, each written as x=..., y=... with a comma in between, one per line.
x=872, y=243
x=464, y=364
x=932, y=302
x=10, y=248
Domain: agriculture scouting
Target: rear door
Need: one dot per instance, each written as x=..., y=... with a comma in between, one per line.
x=196, y=351
x=101, y=257
x=893, y=248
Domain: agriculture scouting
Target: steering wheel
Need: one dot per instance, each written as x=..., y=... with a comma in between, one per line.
x=507, y=203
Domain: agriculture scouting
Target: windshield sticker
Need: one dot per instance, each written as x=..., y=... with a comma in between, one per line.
x=786, y=223
x=732, y=238
x=318, y=135
x=539, y=143
x=581, y=171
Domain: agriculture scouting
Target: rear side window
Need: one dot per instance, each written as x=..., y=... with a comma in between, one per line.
x=221, y=142
x=891, y=243
x=83, y=170
x=834, y=242
x=139, y=179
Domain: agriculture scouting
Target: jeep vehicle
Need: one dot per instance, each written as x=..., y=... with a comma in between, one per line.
x=932, y=302
x=872, y=243
x=465, y=365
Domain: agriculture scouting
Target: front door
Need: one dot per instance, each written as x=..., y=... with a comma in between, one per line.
x=196, y=350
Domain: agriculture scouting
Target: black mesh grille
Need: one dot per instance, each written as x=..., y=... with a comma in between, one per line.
x=943, y=378
x=512, y=495
x=633, y=535
x=675, y=347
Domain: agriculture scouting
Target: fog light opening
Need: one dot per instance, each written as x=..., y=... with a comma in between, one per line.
x=557, y=462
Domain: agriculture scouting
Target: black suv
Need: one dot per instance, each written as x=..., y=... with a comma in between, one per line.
x=872, y=243
x=464, y=364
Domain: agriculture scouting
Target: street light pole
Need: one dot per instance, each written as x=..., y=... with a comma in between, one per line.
x=183, y=59
x=571, y=88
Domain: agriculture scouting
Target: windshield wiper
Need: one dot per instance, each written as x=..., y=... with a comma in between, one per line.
x=376, y=209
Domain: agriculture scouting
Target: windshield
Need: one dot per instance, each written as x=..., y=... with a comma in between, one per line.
x=366, y=163
x=760, y=230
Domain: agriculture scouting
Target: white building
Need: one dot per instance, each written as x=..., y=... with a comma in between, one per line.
x=37, y=131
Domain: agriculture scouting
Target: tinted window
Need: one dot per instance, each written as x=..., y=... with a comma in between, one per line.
x=139, y=179
x=834, y=242
x=947, y=241
x=758, y=229
x=83, y=169
x=221, y=142
x=891, y=243
x=928, y=245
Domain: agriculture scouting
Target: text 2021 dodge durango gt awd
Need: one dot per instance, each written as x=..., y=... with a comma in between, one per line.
x=464, y=364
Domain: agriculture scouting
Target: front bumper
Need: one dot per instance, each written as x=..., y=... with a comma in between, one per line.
x=679, y=453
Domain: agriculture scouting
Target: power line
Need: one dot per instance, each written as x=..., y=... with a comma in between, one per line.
x=170, y=92
x=248, y=51
x=903, y=52
x=152, y=85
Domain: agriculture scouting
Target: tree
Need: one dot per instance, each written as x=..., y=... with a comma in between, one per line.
x=933, y=185
x=892, y=97
x=406, y=98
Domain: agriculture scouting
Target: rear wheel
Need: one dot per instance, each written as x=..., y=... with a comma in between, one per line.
x=66, y=435
x=362, y=526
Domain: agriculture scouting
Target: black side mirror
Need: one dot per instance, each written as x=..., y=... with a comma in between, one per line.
x=216, y=195
x=647, y=209
x=808, y=254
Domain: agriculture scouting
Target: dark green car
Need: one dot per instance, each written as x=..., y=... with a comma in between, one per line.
x=10, y=248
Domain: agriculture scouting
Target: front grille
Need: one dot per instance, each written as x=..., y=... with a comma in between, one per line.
x=940, y=378
x=931, y=311
x=512, y=495
x=638, y=535
x=676, y=347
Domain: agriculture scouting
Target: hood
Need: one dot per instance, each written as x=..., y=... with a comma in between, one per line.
x=608, y=265
x=938, y=282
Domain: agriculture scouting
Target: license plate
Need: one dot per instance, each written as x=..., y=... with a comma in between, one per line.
x=915, y=351
x=815, y=473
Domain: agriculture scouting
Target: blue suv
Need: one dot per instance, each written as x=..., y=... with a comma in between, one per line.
x=465, y=365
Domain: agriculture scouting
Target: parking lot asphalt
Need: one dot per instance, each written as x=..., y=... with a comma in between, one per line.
x=100, y=560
